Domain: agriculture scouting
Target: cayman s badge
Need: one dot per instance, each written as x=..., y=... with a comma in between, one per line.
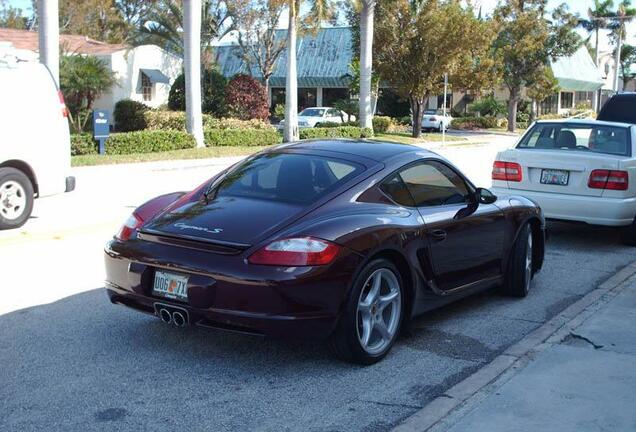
x=183, y=226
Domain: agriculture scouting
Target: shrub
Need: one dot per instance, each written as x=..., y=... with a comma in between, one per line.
x=349, y=106
x=337, y=132
x=148, y=141
x=406, y=121
x=241, y=137
x=246, y=98
x=279, y=111
x=474, y=123
x=335, y=124
x=83, y=144
x=175, y=120
x=213, y=85
x=382, y=124
x=488, y=106
x=129, y=115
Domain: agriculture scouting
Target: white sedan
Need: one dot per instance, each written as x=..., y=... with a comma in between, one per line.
x=314, y=116
x=576, y=170
x=436, y=120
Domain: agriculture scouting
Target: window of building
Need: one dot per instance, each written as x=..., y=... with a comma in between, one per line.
x=331, y=95
x=567, y=100
x=307, y=97
x=146, y=87
x=584, y=98
x=549, y=105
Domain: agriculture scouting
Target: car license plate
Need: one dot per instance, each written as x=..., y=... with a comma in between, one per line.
x=170, y=285
x=555, y=177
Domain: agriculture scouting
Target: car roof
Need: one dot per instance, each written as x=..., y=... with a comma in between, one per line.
x=590, y=122
x=376, y=150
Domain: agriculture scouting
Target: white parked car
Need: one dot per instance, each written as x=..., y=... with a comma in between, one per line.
x=314, y=116
x=35, y=153
x=436, y=120
x=576, y=170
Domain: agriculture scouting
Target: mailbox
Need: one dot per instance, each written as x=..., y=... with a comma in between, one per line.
x=101, y=128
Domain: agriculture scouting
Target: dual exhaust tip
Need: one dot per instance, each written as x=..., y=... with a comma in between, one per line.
x=175, y=317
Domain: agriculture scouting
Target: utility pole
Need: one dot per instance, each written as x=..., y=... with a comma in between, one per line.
x=49, y=36
x=617, y=60
x=192, y=65
x=444, y=109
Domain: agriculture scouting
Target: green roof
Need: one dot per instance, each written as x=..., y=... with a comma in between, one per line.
x=323, y=59
x=577, y=72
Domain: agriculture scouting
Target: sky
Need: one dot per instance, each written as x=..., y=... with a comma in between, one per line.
x=577, y=6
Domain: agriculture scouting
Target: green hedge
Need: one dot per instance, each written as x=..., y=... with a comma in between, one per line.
x=148, y=142
x=382, y=124
x=335, y=124
x=129, y=115
x=83, y=144
x=339, y=132
x=475, y=123
x=241, y=137
x=176, y=120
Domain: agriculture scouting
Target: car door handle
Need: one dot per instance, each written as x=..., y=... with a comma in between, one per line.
x=438, y=235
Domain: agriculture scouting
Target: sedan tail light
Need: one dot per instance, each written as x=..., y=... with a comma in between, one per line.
x=132, y=224
x=433, y=119
x=507, y=171
x=608, y=179
x=294, y=252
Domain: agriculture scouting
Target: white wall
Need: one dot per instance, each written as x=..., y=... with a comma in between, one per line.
x=127, y=64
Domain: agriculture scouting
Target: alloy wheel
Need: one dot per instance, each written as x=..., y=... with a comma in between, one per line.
x=379, y=311
x=528, y=269
x=13, y=200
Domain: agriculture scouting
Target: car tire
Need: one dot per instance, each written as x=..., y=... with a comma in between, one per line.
x=376, y=318
x=16, y=198
x=628, y=234
x=520, y=269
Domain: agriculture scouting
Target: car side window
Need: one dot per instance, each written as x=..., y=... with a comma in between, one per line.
x=394, y=188
x=433, y=183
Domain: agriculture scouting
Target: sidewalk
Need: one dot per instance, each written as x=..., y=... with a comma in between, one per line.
x=582, y=378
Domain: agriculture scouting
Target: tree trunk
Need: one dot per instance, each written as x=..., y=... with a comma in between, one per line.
x=49, y=36
x=290, y=131
x=192, y=66
x=366, y=62
x=417, y=110
x=513, y=102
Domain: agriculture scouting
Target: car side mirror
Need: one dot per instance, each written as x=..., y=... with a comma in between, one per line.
x=484, y=196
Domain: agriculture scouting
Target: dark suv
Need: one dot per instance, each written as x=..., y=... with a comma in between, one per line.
x=619, y=108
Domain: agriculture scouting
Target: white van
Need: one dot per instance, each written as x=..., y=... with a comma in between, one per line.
x=35, y=154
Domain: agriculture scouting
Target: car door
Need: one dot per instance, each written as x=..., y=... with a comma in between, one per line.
x=466, y=238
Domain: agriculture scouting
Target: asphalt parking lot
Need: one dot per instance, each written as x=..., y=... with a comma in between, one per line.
x=71, y=361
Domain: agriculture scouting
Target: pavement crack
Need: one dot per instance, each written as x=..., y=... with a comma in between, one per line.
x=402, y=405
x=571, y=337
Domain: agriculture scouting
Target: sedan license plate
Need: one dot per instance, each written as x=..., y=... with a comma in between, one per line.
x=555, y=177
x=171, y=285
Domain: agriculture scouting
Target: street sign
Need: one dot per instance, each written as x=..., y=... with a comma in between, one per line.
x=101, y=128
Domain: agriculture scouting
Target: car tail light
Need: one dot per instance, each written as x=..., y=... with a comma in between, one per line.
x=132, y=224
x=608, y=179
x=433, y=119
x=508, y=171
x=60, y=95
x=293, y=252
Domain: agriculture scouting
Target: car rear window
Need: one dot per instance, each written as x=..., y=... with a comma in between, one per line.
x=286, y=177
x=591, y=137
x=621, y=108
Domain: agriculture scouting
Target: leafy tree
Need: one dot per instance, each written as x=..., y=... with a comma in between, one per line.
x=348, y=106
x=526, y=43
x=163, y=24
x=542, y=87
x=416, y=43
x=83, y=79
x=597, y=20
x=14, y=18
x=134, y=13
x=628, y=59
x=246, y=98
x=488, y=106
x=255, y=23
x=213, y=85
x=97, y=19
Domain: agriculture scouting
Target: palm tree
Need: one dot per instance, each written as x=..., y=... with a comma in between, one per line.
x=192, y=66
x=367, y=13
x=164, y=24
x=318, y=11
x=623, y=15
x=597, y=21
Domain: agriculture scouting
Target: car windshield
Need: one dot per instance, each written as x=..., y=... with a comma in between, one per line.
x=286, y=177
x=588, y=137
x=312, y=112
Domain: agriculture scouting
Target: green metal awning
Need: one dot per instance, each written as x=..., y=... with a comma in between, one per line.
x=577, y=72
x=155, y=76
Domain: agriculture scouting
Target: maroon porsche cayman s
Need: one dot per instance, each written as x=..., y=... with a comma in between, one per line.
x=341, y=240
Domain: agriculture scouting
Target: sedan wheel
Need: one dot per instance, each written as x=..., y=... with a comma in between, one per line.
x=520, y=268
x=379, y=310
x=371, y=320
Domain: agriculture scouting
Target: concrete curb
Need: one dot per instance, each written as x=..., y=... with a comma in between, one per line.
x=516, y=356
